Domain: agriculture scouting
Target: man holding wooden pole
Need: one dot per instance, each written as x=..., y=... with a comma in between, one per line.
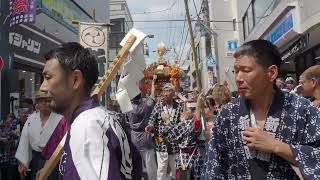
x=96, y=146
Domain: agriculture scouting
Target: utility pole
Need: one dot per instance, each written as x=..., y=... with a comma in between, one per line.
x=206, y=21
x=194, y=53
x=207, y=38
x=205, y=12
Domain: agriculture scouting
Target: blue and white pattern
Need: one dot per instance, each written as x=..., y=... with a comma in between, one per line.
x=186, y=136
x=291, y=119
x=160, y=126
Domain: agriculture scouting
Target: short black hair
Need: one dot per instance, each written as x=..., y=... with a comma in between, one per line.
x=265, y=53
x=72, y=56
x=27, y=101
x=11, y=115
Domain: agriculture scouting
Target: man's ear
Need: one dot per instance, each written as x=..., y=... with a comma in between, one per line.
x=77, y=79
x=314, y=82
x=273, y=72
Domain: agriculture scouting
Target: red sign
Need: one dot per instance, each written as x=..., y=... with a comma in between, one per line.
x=1, y=63
x=21, y=6
x=22, y=11
x=229, y=54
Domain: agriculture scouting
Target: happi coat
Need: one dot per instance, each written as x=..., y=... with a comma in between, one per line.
x=186, y=134
x=291, y=119
x=97, y=147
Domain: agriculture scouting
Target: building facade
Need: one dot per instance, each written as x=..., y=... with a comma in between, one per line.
x=225, y=39
x=292, y=25
x=23, y=45
x=121, y=22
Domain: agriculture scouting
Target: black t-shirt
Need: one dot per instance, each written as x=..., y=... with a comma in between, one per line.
x=258, y=169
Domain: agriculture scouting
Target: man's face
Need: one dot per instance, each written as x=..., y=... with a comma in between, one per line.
x=252, y=80
x=290, y=85
x=43, y=104
x=9, y=119
x=23, y=115
x=168, y=94
x=195, y=94
x=280, y=83
x=58, y=85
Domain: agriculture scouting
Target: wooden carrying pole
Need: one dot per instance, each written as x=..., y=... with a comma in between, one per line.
x=99, y=90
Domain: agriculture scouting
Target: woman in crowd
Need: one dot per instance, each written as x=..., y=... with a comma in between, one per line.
x=221, y=95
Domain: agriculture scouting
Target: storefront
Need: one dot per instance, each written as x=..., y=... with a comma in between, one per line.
x=22, y=47
x=293, y=62
x=27, y=46
x=303, y=53
x=285, y=34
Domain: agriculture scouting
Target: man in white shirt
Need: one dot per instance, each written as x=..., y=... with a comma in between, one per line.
x=35, y=134
x=96, y=146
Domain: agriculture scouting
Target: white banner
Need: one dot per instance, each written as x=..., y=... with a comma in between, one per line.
x=95, y=37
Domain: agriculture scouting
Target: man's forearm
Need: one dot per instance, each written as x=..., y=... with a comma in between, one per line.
x=284, y=151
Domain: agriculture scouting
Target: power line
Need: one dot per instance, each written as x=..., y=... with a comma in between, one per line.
x=159, y=27
x=169, y=24
x=164, y=28
x=184, y=24
x=159, y=11
x=184, y=45
x=175, y=15
x=180, y=20
x=171, y=35
x=195, y=7
x=198, y=15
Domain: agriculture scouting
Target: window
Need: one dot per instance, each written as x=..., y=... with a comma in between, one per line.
x=115, y=39
x=256, y=11
x=248, y=21
x=117, y=25
x=123, y=6
x=261, y=8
